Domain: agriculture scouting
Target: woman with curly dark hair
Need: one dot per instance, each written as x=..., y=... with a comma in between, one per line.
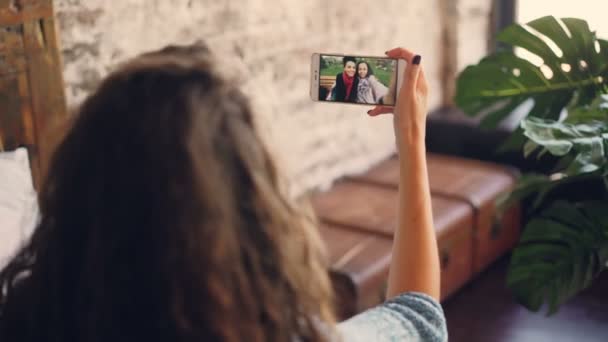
x=369, y=90
x=344, y=88
x=163, y=219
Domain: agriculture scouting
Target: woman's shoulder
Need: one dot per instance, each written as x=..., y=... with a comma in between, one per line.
x=374, y=79
x=408, y=317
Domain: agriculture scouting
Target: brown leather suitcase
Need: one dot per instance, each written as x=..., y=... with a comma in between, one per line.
x=359, y=264
x=31, y=82
x=358, y=224
x=473, y=182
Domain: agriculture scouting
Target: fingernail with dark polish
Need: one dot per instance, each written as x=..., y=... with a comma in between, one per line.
x=416, y=60
x=369, y=111
x=386, y=52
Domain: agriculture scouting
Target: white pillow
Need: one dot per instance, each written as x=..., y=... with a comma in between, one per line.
x=18, y=203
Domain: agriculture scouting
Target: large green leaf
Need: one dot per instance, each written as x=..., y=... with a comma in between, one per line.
x=565, y=245
x=528, y=185
x=585, y=139
x=537, y=187
x=560, y=253
x=502, y=81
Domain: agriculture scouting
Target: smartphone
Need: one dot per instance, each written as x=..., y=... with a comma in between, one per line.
x=352, y=79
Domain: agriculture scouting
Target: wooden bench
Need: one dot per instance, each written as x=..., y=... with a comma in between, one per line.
x=327, y=82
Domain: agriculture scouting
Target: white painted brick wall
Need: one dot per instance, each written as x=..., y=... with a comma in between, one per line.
x=273, y=40
x=473, y=19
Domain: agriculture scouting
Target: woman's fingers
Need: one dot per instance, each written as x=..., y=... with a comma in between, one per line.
x=412, y=73
x=412, y=70
x=400, y=53
x=422, y=85
x=414, y=80
x=378, y=110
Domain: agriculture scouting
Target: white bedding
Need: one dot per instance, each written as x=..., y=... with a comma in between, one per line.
x=18, y=203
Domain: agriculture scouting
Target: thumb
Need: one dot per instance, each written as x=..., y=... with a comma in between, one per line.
x=412, y=73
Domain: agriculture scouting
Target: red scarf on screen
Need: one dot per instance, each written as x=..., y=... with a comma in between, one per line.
x=348, y=82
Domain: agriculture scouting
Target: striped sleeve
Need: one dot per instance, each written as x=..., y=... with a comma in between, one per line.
x=411, y=317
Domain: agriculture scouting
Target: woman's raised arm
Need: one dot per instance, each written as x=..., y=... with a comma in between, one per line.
x=415, y=260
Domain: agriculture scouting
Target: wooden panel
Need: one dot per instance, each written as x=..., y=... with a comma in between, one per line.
x=32, y=100
x=11, y=128
x=16, y=119
x=13, y=12
x=11, y=40
x=11, y=64
x=46, y=84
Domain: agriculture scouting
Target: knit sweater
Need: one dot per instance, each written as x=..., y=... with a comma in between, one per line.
x=370, y=90
x=410, y=317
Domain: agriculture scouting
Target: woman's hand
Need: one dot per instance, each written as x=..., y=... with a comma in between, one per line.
x=411, y=108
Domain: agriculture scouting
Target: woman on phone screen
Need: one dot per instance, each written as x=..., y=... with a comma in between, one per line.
x=369, y=89
x=163, y=219
x=345, y=87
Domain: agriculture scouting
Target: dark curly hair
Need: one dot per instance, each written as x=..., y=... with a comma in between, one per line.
x=163, y=219
x=347, y=59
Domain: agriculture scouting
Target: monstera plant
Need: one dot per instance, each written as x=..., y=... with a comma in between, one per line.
x=561, y=88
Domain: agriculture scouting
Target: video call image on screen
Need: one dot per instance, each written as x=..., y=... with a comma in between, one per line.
x=363, y=80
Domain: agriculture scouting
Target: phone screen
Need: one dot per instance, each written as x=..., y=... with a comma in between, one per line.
x=356, y=79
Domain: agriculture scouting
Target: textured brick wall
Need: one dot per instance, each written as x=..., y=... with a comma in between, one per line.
x=271, y=42
x=465, y=39
x=473, y=17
